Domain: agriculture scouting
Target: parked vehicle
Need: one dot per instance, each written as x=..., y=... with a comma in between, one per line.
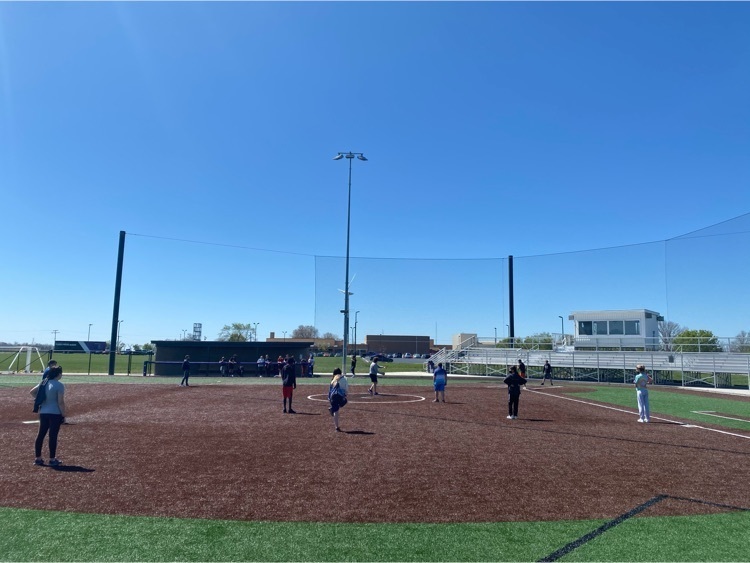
x=382, y=358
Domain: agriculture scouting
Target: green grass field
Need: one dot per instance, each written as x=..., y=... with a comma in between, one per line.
x=31, y=535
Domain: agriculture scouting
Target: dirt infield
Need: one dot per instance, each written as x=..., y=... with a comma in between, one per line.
x=220, y=451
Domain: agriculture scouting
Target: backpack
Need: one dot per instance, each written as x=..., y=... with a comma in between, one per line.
x=41, y=395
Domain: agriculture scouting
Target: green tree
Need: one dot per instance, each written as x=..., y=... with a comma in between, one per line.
x=305, y=331
x=236, y=332
x=696, y=341
x=148, y=347
x=539, y=341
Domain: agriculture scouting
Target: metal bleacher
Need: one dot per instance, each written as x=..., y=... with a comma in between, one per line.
x=721, y=369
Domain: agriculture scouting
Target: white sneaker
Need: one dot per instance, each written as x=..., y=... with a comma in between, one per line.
x=515, y=417
x=509, y=417
x=646, y=420
x=640, y=420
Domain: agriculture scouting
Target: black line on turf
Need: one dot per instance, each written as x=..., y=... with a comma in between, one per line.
x=707, y=503
x=575, y=544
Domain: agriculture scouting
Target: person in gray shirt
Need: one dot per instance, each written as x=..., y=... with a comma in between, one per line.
x=51, y=414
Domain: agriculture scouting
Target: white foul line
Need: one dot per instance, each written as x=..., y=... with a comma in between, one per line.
x=709, y=413
x=684, y=425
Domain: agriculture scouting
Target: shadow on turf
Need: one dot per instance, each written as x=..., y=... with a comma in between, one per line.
x=71, y=469
x=362, y=432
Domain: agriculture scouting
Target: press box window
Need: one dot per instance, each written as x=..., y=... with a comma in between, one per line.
x=600, y=327
x=616, y=327
x=585, y=328
x=633, y=328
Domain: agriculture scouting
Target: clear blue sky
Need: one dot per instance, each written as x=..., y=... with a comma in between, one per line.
x=491, y=129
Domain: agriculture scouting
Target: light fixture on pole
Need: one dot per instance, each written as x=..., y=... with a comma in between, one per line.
x=495, y=337
x=88, y=338
x=255, y=331
x=562, y=329
x=350, y=156
x=283, y=331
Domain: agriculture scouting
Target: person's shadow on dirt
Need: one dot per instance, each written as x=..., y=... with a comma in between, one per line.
x=362, y=432
x=72, y=469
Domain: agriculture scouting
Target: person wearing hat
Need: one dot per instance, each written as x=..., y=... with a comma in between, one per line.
x=642, y=380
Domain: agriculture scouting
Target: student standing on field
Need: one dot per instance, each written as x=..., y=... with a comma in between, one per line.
x=374, y=370
x=337, y=393
x=547, y=372
x=288, y=383
x=642, y=380
x=439, y=381
x=354, y=363
x=185, y=372
x=521, y=368
x=514, y=382
x=51, y=414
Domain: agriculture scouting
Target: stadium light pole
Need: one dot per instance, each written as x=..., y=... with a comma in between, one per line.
x=88, y=338
x=356, y=313
x=495, y=337
x=117, y=344
x=349, y=156
x=562, y=329
x=255, y=331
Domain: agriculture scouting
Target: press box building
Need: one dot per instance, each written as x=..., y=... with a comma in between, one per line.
x=630, y=328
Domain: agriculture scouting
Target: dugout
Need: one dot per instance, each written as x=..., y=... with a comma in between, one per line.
x=205, y=355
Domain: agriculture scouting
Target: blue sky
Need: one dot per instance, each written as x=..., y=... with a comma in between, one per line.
x=539, y=130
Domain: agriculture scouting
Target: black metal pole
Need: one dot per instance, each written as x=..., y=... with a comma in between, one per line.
x=512, y=325
x=116, y=308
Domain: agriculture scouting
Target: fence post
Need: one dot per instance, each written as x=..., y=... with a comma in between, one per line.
x=682, y=369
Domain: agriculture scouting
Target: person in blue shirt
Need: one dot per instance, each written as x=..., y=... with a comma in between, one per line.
x=642, y=380
x=439, y=381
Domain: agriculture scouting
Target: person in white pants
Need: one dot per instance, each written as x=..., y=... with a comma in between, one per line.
x=642, y=380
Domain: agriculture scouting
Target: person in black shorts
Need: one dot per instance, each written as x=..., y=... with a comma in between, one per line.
x=374, y=370
x=547, y=372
